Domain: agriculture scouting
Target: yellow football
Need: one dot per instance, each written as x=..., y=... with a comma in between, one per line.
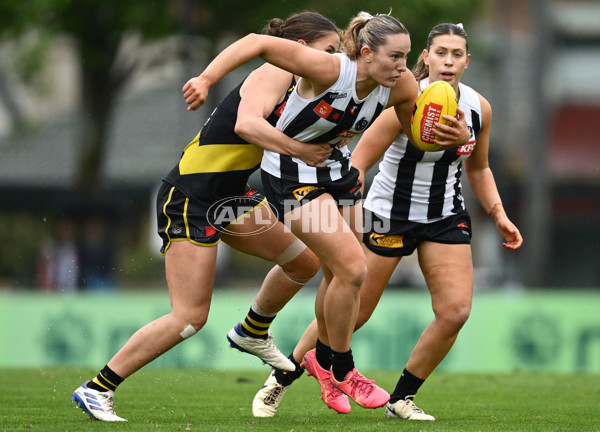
x=436, y=100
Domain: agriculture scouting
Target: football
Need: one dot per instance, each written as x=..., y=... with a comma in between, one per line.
x=436, y=100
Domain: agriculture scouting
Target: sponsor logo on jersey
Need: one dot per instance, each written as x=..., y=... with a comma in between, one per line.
x=301, y=192
x=386, y=241
x=346, y=133
x=338, y=95
x=464, y=229
x=250, y=192
x=356, y=187
x=329, y=113
x=203, y=233
x=466, y=149
x=280, y=109
x=323, y=109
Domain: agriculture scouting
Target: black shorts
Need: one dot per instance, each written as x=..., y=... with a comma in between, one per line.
x=393, y=238
x=285, y=195
x=180, y=218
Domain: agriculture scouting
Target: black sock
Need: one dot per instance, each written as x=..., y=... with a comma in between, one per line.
x=286, y=378
x=256, y=325
x=407, y=387
x=323, y=355
x=341, y=364
x=105, y=380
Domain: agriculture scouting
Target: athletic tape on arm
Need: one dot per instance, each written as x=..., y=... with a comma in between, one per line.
x=188, y=331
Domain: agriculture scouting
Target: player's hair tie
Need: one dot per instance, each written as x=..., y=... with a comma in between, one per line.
x=366, y=16
x=460, y=26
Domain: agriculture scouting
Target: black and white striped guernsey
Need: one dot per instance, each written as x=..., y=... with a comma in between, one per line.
x=335, y=115
x=419, y=186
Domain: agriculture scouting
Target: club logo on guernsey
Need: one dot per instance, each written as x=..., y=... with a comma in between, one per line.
x=386, y=241
x=176, y=229
x=361, y=124
x=301, y=192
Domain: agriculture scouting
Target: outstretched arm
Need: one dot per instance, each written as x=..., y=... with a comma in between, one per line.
x=312, y=64
x=483, y=185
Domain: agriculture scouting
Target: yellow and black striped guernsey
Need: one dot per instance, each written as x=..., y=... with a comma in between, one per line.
x=217, y=163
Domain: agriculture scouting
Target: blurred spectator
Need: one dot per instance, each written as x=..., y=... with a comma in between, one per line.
x=97, y=255
x=58, y=261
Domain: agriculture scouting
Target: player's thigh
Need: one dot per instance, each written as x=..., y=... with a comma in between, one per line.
x=448, y=272
x=321, y=226
x=353, y=216
x=259, y=234
x=190, y=273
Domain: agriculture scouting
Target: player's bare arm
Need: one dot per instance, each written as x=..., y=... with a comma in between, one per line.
x=375, y=141
x=403, y=97
x=317, y=66
x=261, y=92
x=483, y=185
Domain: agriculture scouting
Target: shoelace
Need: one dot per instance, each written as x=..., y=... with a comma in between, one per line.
x=411, y=404
x=272, y=396
x=270, y=343
x=333, y=390
x=360, y=384
x=107, y=403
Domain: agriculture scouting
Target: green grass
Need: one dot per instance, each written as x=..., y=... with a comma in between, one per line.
x=205, y=400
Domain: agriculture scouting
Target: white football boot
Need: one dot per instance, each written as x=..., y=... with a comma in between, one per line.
x=99, y=405
x=406, y=409
x=268, y=398
x=264, y=349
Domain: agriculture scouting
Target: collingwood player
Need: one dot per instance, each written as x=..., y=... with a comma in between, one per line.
x=416, y=203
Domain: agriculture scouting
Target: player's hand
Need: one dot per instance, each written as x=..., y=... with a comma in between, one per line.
x=195, y=92
x=455, y=134
x=510, y=232
x=312, y=154
x=343, y=142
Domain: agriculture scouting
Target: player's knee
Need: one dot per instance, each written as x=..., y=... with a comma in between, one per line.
x=191, y=322
x=304, y=266
x=353, y=272
x=455, y=315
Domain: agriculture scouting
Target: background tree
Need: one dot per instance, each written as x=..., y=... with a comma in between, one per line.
x=109, y=36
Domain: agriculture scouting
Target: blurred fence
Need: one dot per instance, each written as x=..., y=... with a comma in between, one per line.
x=555, y=331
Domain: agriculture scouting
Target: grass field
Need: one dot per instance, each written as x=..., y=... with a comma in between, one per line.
x=205, y=400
